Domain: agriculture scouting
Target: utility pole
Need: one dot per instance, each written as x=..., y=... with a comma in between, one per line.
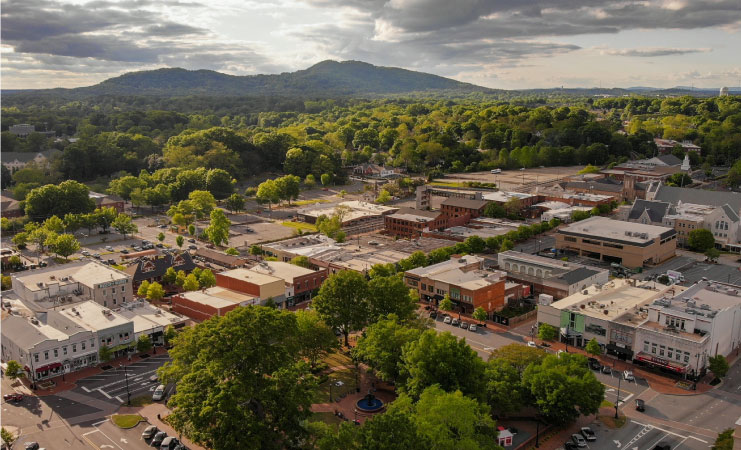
x=128, y=393
x=617, y=401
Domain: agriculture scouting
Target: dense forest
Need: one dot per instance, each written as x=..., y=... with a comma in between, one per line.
x=116, y=136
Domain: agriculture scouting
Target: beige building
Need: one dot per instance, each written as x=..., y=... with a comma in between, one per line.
x=357, y=216
x=626, y=243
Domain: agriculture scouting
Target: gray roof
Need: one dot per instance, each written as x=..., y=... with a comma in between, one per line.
x=417, y=212
x=669, y=159
x=730, y=213
x=674, y=195
x=464, y=203
x=28, y=156
x=577, y=275
x=656, y=210
x=596, y=184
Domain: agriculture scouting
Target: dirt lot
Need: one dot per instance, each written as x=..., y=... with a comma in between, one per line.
x=510, y=179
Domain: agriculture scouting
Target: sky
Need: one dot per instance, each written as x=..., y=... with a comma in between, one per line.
x=505, y=44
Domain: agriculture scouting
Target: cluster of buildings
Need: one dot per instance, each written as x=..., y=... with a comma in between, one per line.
x=58, y=318
x=11, y=207
x=672, y=328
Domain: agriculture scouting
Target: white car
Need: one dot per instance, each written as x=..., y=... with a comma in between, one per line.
x=447, y=319
x=579, y=440
x=532, y=344
x=472, y=327
x=109, y=248
x=85, y=253
x=628, y=375
x=159, y=393
x=496, y=170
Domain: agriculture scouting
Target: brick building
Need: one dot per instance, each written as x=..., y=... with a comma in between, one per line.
x=457, y=207
x=411, y=223
x=300, y=283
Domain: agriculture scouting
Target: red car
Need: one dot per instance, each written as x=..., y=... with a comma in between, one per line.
x=14, y=397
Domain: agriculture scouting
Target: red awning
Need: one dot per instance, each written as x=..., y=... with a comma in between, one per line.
x=48, y=367
x=661, y=362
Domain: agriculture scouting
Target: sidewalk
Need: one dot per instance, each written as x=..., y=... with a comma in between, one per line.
x=657, y=382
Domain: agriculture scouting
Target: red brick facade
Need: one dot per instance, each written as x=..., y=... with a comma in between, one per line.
x=237, y=285
x=408, y=228
x=198, y=311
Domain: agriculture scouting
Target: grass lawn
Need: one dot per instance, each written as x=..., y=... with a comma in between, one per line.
x=309, y=202
x=126, y=420
x=142, y=400
x=446, y=184
x=303, y=226
x=346, y=376
x=606, y=404
x=611, y=421
x=326, y=417
x=337, y=359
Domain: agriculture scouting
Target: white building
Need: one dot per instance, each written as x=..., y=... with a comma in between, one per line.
x=149, y=320
x=21, y=129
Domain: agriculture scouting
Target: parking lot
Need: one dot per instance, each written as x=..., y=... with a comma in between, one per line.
x=105, y=435
x=111, y=385
x=695, y=271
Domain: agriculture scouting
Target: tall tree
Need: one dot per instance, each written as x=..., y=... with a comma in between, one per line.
x=124, y=225
x=240, y=382
x=382, y=344
x=268, y=192
x=65, y=245
x=315, y=336
x=342, y=302
x=389, y=295
x=235, y=203
x=218, y=229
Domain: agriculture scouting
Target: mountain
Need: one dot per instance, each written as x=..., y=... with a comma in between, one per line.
x=327, y=78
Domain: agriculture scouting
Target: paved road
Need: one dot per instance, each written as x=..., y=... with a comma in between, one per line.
x=637, y=435
x=105, y=435
x=483, y=341
x=532, y=245
x=695, y=271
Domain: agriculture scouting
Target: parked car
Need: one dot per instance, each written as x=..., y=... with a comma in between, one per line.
x=192, y=241
x=606, y=369
x=473, y=327
x=588, y=434
x=372, y=242
x=532, y=344
x=169, y=443
x=111, y=261
x=149, y=432
x=15, y=397
x=159, y=393
x=640, y=405
x=138, y=249
x=249, y=230
x=433, y=315
x=628, y=375
x=85, y=253
x=109, y=248
x=96, y=255
x=464, y=325
x=455, y=322
x=447, y=319
x=568, y=445
x=31, y=446
x=159, y=245
x=594, y=364
x=663, y=446
x=124, y=252
x=181, y=446
x=579, y=440
x=193, y=247
x=157, y=439
x=496, y=170
x=162, y=226
x=132, y=245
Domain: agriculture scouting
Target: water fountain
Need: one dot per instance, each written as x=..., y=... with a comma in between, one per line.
x=369, y=403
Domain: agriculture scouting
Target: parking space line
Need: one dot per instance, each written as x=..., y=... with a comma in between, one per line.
x=103, y=392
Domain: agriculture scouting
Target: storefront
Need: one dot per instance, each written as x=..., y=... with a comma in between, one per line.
x=622, y=351
x=48, y=371
x=662, y=363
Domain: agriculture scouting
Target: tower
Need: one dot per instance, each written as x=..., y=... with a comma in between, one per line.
x=686, y=163
x=629, y=187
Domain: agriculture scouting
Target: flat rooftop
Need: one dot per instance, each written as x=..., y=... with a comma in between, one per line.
x=503, y=196
x=89, y=273
x=28, y=334
x=451, y=264
x=284, y=270
x=415, y=215
x=92, y=316
x=611, y=300
x=250, y=276
x=602, y=227
x=145, y=316
x=704, y=298
x=218, y=297
x=355, y=210
x=472, y=280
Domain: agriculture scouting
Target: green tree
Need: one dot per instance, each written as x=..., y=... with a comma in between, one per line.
x=712, y=254
x=144, y=343
x=589, y=169
x=288, y=187
x=563, y=387
x=326, y=179
x=203, y=203
x=68, y=197
x=7, y=437
x=518, y=356
x=446, y=304
x=480, y=314
x=389, y=295
x=170, y=276
x=170, y=334
x=180, y=278
x=718, y=365
x=206, y=279
x=504, y=391
x=382, y=270
x=475, y=244
x=191, y=283
x=381, y=346
x=180, y=240
x=105, y=217
x=124, y=186
x=232, y=251
x=383, y=197
x=105, y=354
x=444, y=360
x=310, y=181
x=547, y=332
x=240, y=381
x=342, y=302
x=316, y=338
x=191, y=229
x=235, y=202
x=13, y=370
x=593, y=347
x=155, y=292
x=161, y=236
x=65, y=245
x=268, y=192
x=54, y=224
x=301, y=261
x=218, y=229
x=701, y=240
x=219, y=183
x=143, y=288
x=123, y=224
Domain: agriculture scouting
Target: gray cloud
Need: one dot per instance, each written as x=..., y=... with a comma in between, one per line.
x=654, y=52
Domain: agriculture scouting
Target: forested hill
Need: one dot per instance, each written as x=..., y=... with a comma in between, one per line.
x=325, y=79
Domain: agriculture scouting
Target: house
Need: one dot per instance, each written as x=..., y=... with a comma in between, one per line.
x=374, y=170
x=411, y=223
x=107, y=201
x=153, y=268
x=18, y=160
x=668, y=145
x=10, y=207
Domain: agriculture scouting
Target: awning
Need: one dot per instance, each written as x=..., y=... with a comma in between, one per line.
x=51, y=366
x=618, y=349
x=661, y=362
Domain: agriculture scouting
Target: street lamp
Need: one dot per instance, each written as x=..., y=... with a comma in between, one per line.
x=128, y=393
x=617, y=401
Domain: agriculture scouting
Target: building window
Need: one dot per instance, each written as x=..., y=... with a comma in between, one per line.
x=92, y=343
x=653, y=348
x=114, y=301
x=83, y=345
x=36, y=357
x=679, y=355
x=686, y=357
x=64, y=350
x=569, y=239
x=669, y=352
x=74, y=348
x=123, y=288
x=56, y=352
x=424, y=287
x=46, y=355
x=661, y=350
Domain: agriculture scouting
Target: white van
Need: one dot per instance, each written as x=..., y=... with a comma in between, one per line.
x=159, y=393
x=496, y=170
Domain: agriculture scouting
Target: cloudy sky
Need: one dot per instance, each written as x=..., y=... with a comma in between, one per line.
x=506, y=44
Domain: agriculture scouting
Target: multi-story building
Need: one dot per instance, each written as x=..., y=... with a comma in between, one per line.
x=107, y=201
x=109, y=328
x=22, y=130
x=684, y=329
x=411, y=223
x=667, y=145
x=18, y=160
x=463, y=279
x=457, y=207
x=300, y=282
x=215, y=301
x=550, y=276
x=149, y=320
x=629, y=244
x=71, y=282
x=357, y=217
x=609, y=313
x=259, y=285
x=10, y=207
x=220, y=258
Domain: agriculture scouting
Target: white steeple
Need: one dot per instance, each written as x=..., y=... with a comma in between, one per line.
x=686, y=163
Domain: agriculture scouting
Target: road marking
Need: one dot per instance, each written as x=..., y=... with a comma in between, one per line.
x=119, y=399
x=98, y=423
x=658, y=428
x=85, y=389
x=104, y=392
x=659, y=440
x=646, y=429
x=697, y=439
x=617, y=443
x=124, y=380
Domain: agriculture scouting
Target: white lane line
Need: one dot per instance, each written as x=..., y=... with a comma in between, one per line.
x=98, y=423
x=91, y=432
x=85, y=389
x=661, y=429
x=124, y=380
x=119, y=399
x=659, y=440
x=697, y=439
x=104, y=393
